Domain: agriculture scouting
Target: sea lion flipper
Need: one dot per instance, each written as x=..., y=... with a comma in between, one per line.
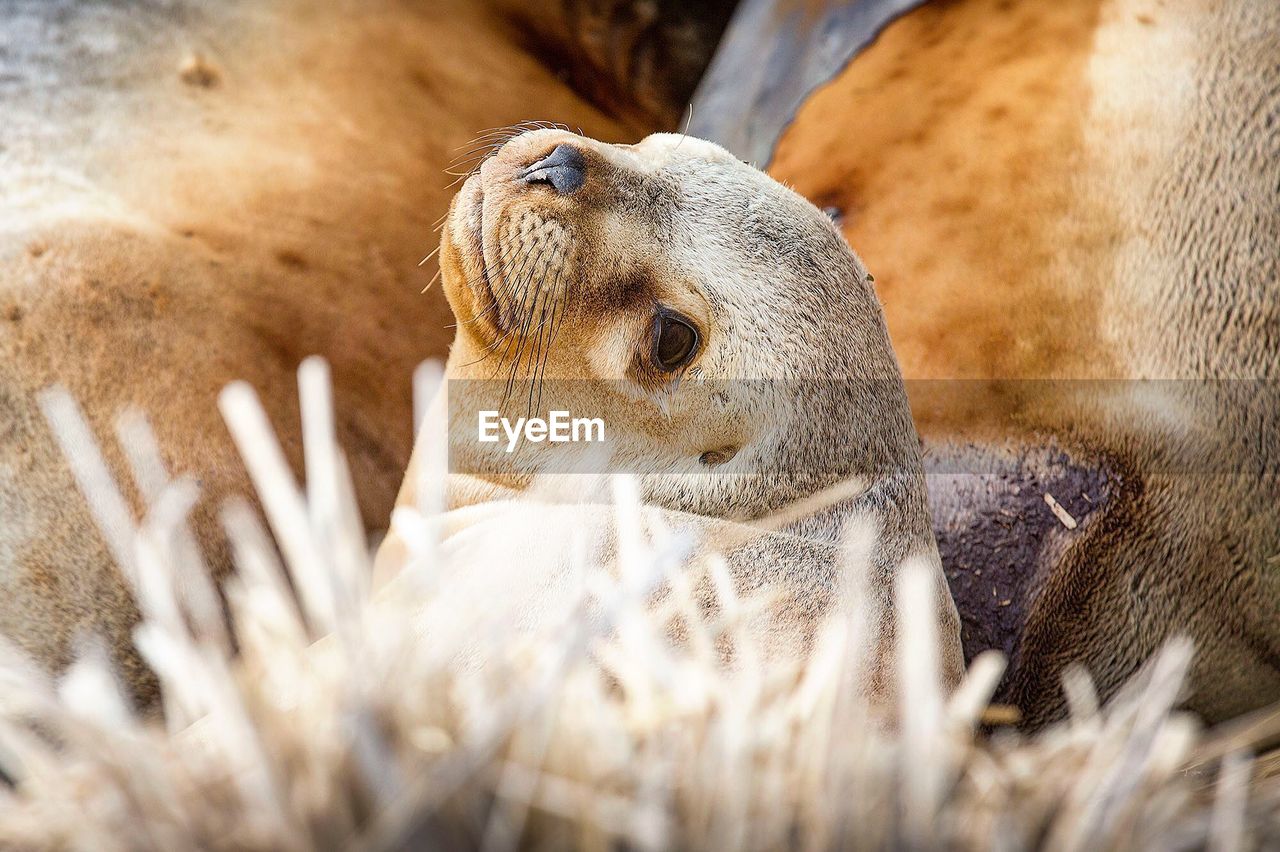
x=774, y=53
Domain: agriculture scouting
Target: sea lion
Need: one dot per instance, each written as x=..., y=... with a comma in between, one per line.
x=194, y=193
x=722, y=330
x=1073, y=215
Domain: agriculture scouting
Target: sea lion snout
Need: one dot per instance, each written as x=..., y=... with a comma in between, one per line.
x=543, y=159
x=513, y=245
x=564, y=170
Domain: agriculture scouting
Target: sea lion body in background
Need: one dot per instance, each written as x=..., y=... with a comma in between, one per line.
x=1056, y=200
x=193, y=193
x=1043, y=190
x=727, y=338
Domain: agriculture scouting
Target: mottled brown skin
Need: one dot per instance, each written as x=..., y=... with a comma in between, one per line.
x=1081, y=191
x=194, y=193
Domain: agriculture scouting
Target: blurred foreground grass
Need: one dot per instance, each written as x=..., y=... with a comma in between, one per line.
x=417, y=715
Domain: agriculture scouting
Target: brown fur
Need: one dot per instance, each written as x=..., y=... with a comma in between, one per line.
x=194, y=193
x=1082, y=191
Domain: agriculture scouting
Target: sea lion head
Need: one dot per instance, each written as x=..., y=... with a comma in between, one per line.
x=715, y=320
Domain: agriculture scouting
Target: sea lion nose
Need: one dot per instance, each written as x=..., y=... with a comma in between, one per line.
x=564, y=169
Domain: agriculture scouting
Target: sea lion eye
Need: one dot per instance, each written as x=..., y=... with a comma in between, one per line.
x=675, y=341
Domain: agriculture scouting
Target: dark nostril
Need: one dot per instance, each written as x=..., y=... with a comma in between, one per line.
x=565, y=169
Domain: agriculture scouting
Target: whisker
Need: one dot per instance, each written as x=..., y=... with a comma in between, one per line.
x=525, y=319
x=505, y=131
x=488, y=353
x=536, y=358
x=488, y=131
x=458, y=177
x=478, y=153
x=558, y=320
x=492, y=347
x=517, y=330
x=433, y=280
x=557, y=310
x=433, y=253
x=531, y=296
x=495, y=297
x=491, y=133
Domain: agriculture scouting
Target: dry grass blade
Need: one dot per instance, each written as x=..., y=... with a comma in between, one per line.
x=434, y=711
